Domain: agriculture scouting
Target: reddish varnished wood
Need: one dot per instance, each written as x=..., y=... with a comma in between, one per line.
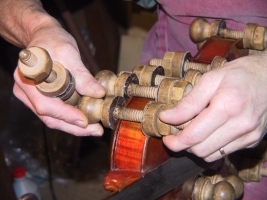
x=133, y=153
x=227, y=48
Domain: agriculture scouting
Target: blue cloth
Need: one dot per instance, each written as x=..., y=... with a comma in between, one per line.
x=146, y=3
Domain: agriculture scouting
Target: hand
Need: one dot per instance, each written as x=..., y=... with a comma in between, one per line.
x=228, y=109
x=54, y=112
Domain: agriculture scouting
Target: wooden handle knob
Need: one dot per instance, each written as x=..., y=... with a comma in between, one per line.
x=147, y=74
x=234, y=180
x=35, y=63
x=51, y=78
x=107, y=79
x=204, y=189
x=200, y=29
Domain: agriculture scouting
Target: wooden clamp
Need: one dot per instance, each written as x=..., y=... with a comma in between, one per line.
x=254, y=36
x=51, y=78
x=111, y=109
x=126, y=85
x=176, y=64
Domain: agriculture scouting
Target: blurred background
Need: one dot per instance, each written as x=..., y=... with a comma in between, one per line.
x=70, y=167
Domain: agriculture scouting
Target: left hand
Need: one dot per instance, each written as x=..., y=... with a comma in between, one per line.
x=228, y=108
x=52, y=111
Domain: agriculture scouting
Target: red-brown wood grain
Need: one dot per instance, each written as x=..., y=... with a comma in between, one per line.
x=135, y=154
x=215, y=46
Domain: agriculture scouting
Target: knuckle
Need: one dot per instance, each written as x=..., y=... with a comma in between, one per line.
x=190, y=140
x=190, y=101
x=232, y=108
x=231, y=104
x=49, y=123
x=40, y=109
x=209, y=159
x=172, y=147
x=82, y=73
x=255, y=137
x=75, y=133
x=250, y=124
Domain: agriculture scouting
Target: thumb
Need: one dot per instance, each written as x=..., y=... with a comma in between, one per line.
x=193, y=103
x=87, y=85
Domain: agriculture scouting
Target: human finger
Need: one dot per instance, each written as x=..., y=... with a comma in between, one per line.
x=229, y=101
x=53, y=107
x=89, y=130
x=238, y=144
x=200, y=127
x=233, y=129
x=69, y=56
x=194, y=102
x=85, y=83
x=92, y=129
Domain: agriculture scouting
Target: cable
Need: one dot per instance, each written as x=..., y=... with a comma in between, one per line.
x=50, y=177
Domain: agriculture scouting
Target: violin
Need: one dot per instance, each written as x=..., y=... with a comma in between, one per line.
x=135, y=155
x=141, y=166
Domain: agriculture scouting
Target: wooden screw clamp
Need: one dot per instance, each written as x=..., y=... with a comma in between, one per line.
x=200, y=29
x=252, y=170
x=116, y=85
x=51, y=78
x=179, y=63
x=169, y=91
x=111, y=109
x=149, y=75
x=234, y=180
x=192, y=76
x=204, y=189
x=254, y=36
x=172, y=62
x=221, y=190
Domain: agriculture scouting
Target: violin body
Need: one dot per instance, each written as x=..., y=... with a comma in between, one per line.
x=135, y=154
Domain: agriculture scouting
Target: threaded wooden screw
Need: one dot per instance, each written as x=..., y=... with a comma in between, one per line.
x=28, y=58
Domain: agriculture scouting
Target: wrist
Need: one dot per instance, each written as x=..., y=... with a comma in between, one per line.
x=19, y=20
x=41, y=27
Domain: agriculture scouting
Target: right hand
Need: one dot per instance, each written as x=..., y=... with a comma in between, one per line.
x=227, y=109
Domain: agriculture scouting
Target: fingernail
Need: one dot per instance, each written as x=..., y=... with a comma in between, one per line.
x=165, y=112
x=81, y=123
x=96, y=134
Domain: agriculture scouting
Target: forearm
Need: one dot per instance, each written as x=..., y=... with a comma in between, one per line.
x=21, y=19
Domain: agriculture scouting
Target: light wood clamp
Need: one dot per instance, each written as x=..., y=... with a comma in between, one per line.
x=192, y=76
x=178, y=63
x=170, y=91
x=116, y=85
x=240, y=161
x=51, y=78
x=252, y=170
x=234, y=180
x=149, y=75
x=254, y=36
x=205, y=189
x=111, y=109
